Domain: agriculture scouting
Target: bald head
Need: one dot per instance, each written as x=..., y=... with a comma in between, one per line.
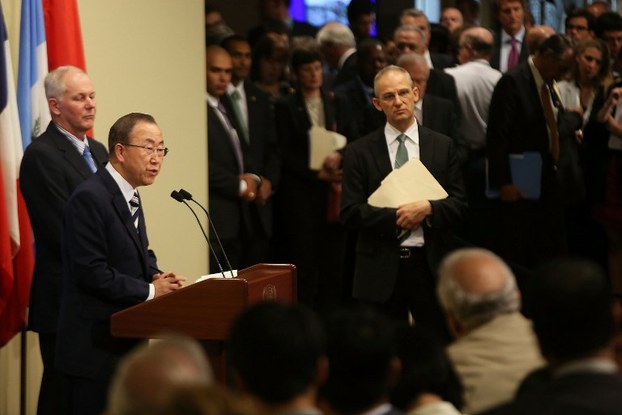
x=475, y=43
x=219, y=68
x=536, y=36
x=475, y=286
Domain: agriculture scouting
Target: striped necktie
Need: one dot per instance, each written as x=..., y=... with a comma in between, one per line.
x=135, y=209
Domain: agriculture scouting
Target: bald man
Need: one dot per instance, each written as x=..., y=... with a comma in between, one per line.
x=536, y=35
x=495, y=345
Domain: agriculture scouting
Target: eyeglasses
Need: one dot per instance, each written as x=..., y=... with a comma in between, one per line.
x=160, y=151
x=576, y=27
x=390, y=97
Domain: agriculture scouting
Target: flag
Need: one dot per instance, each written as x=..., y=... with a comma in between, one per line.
x=63, y=33
x=34, y=114
x=13, y=316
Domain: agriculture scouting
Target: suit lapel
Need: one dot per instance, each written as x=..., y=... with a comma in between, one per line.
x=71, y=154
x=380, y=153
x=426, y=147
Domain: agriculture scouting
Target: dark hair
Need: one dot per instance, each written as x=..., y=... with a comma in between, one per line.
x=607, y=22
x=275, y=349
x=576, y=13
x=557, y=44
x=570, y=305
x=361, y=346
x=304, y=55
x=226, y=42
x=270, y=46
x=425, y=369
x=122, y=128
x=358, y=8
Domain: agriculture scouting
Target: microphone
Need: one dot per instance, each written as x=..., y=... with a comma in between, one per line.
x=178, y=197
x=186, y=195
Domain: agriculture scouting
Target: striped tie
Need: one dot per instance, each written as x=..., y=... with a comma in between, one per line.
x=135, y=209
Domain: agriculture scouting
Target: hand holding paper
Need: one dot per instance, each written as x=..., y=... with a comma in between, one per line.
x=323, y=143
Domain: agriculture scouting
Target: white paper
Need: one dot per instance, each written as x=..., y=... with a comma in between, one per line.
x=217, y=275
x=322, y=143
x=410, y=183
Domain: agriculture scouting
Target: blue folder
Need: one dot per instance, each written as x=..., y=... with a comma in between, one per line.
x=526, y=169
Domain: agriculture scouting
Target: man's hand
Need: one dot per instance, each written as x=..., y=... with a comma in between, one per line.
x=410, y=215
x=251, y=187
x=331, y=168
x=264, y=192
x=511, y=193
x=168, y=282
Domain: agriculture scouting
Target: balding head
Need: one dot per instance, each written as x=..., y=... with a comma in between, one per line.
x=536, y=36
x=219, y=68
x=418, y=68
x=475, y=43
x=475, y=286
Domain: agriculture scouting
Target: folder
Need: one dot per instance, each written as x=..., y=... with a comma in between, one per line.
x=526, y=169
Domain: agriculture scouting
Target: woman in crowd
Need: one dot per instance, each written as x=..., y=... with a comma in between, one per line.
x=269, y=68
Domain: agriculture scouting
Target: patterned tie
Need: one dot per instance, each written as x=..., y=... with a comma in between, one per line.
x=135, y=209
x=401, y=157
x=88, y=157
x=236, y=104
x=551, y=122
x=233, y=136
x=513, y=56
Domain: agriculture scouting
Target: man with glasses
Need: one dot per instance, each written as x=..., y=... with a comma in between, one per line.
x=53, y=165
x=107, y=263
x=580, y=25
x=399, y=249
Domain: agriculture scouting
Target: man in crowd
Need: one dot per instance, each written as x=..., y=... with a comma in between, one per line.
x=398, y=248
x=361, y=18
x=338, y=47
x=510, y=48
x=580, y=25
x=52, y=166
x=418, y=19
x=107, y=263
x=451, y=18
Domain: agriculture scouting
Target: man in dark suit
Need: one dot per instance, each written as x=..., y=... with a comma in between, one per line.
x=107, y=263
x=254, y=115
x=52, y=166
x=531, y=230
x=338, y=48
x=510, y=47
x=398, y=249
x=234, y=192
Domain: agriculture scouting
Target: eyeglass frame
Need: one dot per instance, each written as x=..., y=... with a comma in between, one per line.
x=160, y=151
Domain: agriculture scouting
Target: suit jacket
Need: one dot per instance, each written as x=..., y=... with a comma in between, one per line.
x=358, y=100
x=347, y=72
x=229, y=212
x=444, y=86
x=50, y=171
x=439, y=115
x=366, y=164
x=107, y=268
x=441, y=61
x=496, y=54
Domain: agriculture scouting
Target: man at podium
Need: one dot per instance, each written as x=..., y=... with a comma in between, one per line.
x=107, y=263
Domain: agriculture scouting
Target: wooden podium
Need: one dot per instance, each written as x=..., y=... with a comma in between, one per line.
x=206, y=309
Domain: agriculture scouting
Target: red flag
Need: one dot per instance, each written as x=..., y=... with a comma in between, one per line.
x=6, y=256
x=63, y=34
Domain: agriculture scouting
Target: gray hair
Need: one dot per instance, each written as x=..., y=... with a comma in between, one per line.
x=472, y=310
x=337, y=34
x=415, y=13
x=390, y=68
x=54, y=82
x=414, y=59
x=410, y=28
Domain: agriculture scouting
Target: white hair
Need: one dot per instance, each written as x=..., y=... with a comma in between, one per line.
x=337, y=34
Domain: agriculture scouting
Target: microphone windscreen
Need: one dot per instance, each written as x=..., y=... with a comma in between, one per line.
x=177, y=196
x=185, y=194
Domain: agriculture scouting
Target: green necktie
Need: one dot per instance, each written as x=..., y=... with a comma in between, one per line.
x=401, y=157
x=235, y=99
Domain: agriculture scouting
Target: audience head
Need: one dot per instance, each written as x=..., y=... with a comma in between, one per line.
x=475, y=286
x=592, y=57
x=362, y=358
x=219, y=67
x=410, y=39
x=335, y=39
x=554, y=57
x=609, y=29
x=361, y=17
x=213, y=15
x=269, y=60
x=469, y=10
x=147, y=378
x=274, y=9
x=598, y=8
x=395, y=95
x=418, y=19
x=425, y=370
x=306, y=65
x=536, y=35
x=580, y=25
x=571, y=308
x=371, y=58
x=419, y=71
x=240, y=52
x=511, y=15
x=277, y=352
x=475, y=43
x=71, y=99
x=451, y=18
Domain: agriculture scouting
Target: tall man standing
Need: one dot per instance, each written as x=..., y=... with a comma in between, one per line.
x=510, y=48
x=398, y=249
x=52, y=166
x=107, y=263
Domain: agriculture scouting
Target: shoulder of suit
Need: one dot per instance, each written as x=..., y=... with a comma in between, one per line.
x=427, y=134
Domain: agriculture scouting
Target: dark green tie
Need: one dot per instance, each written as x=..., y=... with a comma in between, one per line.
x=235, y=99
x=401, y=157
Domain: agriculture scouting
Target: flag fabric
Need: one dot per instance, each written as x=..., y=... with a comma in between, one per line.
x=34, y=114
x=13, y=315
x=63, y=33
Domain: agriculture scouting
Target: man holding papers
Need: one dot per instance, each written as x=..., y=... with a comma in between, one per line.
x=400, y=244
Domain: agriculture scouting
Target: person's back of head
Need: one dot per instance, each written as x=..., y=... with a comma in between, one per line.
x=275, y=352
x=362, y=359
x=571, y=308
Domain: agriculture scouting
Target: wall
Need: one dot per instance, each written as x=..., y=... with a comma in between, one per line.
x=145, y=56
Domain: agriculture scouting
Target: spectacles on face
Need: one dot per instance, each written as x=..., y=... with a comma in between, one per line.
x=149, y=150
x=576, y=27
x=390, y=97
x=406, y=46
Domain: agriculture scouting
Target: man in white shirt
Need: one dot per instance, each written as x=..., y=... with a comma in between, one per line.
x=510, y=48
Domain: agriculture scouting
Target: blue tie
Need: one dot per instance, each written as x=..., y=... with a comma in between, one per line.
x=86, y=154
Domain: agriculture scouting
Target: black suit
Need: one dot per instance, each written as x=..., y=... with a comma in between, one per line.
x=530, y=230
x=347, y=72
x=50, y=171
x=441, y=61
x=439, y=115
x=358, y=100
x=443, y=85
x=496, y=54
x=366, y=164
x=107, y=268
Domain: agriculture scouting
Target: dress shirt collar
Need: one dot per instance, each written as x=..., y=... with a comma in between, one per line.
x=78, y=143
x=345, y=56
x=212, y=100
x=536, y=74
x=126, y=189
x=391, y=133
x=239, y=87
x=505, y=38
x=593, y=365
x=428, y=58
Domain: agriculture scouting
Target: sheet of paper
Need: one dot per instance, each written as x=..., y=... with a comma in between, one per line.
x=218, y=275
x=321, y=143
x=409, y=183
